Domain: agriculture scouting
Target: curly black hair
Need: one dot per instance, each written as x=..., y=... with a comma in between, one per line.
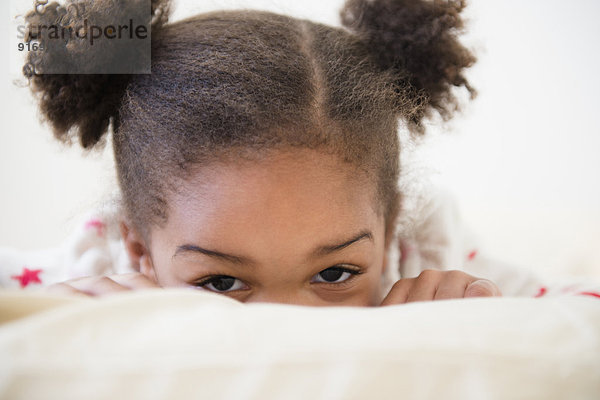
x=239, y=83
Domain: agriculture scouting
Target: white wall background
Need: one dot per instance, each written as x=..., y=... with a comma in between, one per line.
x=522, y=160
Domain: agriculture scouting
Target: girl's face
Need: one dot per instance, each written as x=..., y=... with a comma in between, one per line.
x=296, y=227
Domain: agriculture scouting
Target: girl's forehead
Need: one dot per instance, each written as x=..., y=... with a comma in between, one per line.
x=297, y=174
x=305, y=189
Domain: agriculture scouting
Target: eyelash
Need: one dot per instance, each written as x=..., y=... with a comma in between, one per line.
x=352, y=271
x=209, y=279
x=344, y=268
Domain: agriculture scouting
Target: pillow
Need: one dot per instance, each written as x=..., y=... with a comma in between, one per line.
x=177, y=344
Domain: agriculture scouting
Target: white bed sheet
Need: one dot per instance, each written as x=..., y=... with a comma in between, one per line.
x=175, y=344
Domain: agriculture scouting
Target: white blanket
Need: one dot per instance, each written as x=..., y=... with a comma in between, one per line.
x=179, y=344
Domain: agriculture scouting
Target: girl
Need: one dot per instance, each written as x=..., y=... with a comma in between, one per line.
x=260, y=158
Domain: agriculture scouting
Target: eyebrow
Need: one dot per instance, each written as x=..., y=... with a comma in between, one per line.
x=328, y=249
x=191, y=248
x=319, y=251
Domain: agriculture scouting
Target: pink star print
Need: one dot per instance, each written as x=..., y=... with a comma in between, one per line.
x=28, y=276
x=97, y=224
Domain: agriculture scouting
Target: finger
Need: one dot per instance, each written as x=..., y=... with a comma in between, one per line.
x=63, y=288
x=98, y=286
x=425, y=286
x=453, y=285
x=482, y=288
x=134, y=280
x=399, y=292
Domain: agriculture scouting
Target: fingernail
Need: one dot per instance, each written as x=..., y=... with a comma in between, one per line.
x=481, y=288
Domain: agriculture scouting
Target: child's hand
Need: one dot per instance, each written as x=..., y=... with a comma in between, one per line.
x=102, y=285
x=439, y=285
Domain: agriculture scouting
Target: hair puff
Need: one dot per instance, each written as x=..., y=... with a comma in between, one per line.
x=418, y=40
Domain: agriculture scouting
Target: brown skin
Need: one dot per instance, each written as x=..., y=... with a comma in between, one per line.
x=277, y=224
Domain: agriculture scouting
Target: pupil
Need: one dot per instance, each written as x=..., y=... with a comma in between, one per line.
x=331, y=274
x=223, y=283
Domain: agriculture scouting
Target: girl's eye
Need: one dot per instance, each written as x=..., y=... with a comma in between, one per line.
x=222, y=283
x=334, y=275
